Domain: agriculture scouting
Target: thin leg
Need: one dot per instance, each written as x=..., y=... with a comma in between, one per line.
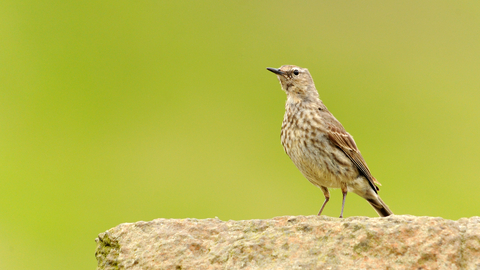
x=344, y=192
x=327, y=197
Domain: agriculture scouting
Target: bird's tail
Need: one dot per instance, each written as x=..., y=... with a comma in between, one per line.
x=380, y=207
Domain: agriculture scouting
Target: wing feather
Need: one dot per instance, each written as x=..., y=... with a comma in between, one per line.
x=344, y=141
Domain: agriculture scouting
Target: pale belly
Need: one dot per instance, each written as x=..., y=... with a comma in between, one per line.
x=321, y=163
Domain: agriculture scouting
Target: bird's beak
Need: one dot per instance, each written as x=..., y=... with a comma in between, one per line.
x=276, y=71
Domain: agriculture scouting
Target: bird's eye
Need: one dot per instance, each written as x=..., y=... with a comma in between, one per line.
x=295, y=72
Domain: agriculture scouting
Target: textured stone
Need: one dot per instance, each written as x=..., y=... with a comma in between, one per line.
x=293, y=242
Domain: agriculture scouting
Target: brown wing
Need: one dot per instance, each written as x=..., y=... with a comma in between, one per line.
x=345, y=142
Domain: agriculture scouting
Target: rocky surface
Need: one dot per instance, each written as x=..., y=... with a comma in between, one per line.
x=293, y=242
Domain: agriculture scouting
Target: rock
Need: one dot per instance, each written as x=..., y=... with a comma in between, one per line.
x=293, y=242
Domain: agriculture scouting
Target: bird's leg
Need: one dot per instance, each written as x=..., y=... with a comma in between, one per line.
x=327, y=197
x=344, y=192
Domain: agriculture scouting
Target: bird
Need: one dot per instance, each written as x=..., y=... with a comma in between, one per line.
x=319, y=146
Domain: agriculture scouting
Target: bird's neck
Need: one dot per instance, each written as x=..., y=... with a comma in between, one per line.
x=295, y=100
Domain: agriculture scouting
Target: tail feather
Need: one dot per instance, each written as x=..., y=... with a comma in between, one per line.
x=380, y=207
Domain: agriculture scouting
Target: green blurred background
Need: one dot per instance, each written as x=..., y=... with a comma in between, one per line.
x=120, y=111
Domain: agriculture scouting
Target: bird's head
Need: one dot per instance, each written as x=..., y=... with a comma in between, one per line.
x=295, y=81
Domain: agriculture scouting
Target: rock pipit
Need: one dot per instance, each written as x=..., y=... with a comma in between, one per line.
x=318, y=144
